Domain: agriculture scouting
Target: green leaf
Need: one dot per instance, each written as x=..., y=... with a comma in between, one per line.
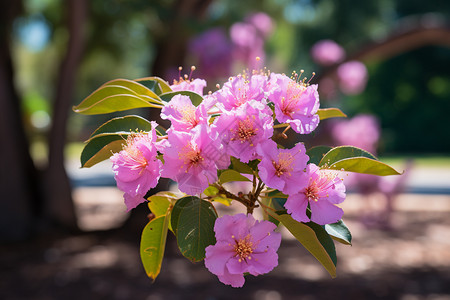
x=176, y=211
x=211, y=191
x=196, y=99
x=356, y=160
x=223, y=200
x=231, y=175
x=158, y=205
x=339, y=232
x=124, y=125
x=316, y=153
x=113, y=103
x=364, y=165
x=153, y=242
x=342, y=152
x=239, y=166
x=156, y=84
x=308, y=238
x=325, y=240
x=101, y=147
x=136, y=87
x=326, y=113
x=193, y=223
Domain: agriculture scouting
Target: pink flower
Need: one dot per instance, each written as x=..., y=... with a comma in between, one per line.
x=244, y=245
x=241, y=89
x=262, y=22
x=183, y=114
x=295, y=103
x=184, y=84
x=248, y=43
x=283, y=169
x=240, y=131
x=136, y=168
x=362, y=131
x=323, y=192
x=352, y=77
x=212, y=52
x=327, y=52
x=190, y=159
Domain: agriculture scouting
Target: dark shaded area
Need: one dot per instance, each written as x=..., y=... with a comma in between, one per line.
x=106, y=265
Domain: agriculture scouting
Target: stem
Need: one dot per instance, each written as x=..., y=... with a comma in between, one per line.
x=281, y=125
x=283, y=134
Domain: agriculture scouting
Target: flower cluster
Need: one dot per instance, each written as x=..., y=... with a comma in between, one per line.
x=237, y=121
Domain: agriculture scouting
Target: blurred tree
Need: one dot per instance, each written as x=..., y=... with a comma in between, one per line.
x=59, y=205
x=18, y=174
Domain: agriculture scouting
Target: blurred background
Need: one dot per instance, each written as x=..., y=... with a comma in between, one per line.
x=64, y=232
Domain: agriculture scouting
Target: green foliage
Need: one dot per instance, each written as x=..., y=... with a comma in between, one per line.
x=317, y=153
x=100, y=148
x=343, y=152
x=123, y=125
x=110, y=138
x=159, y=204
x=193, y=223
x=239, y=166
x=153, y=243
x=155, y=84
x=118, y=95
x=309, y=239
x=231, y=175
x=196, y=99
x=326, y=113
x=339, y=232
x=352, y=159
x=325, y=240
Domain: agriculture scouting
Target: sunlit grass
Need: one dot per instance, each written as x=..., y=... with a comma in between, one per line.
x=431, y=161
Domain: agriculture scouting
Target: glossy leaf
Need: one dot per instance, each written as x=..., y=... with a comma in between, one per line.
x=178, y=207
x=223, y=200
x=124, y=125
x=231, y=175
x=158, y=205
x=239, y=166
x=326, y=113
x=317, y=153
x=156, y=84
x=325, y=240
x=196, y=99
x=113, y=103
x=364, y=165
x=153, y=242
x=101, y=147
x=308, y=238
x=136, y=87
x=342, y=152
x=214, y=195
x=339, y=232
x=194, y=226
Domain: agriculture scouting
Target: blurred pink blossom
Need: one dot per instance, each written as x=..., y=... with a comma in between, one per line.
x=327, y=52
x=362, y=131
x=262, y=22
x=352, y=77
x=213, y=53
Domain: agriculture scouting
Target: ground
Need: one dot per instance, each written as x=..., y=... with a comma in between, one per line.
x=409, y=260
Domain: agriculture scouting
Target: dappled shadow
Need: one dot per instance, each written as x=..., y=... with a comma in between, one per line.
x=410, y=261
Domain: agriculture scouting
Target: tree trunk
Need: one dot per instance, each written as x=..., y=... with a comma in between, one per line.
x=171, y=48
x=60, y=207
x=17, y=173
